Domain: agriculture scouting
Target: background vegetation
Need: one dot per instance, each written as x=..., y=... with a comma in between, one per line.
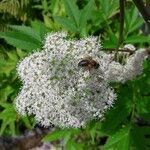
x=24, y=23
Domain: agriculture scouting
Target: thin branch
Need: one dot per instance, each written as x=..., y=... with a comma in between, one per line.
x=115, y=49
x=120, y=39
x=145, y=12
x=124, y=50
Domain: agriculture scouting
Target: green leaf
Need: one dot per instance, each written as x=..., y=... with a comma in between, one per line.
x=49, y=23
x=119, y=140
x=27, y=31
x=20, y=53
x=85, y=13
x=137, y=39
x=143, y=105
x=8, y=118
x=72, y=145
x=140, y=138
x=62, y=133
x=9, y=64
x=26, y=121
x=111, y=41
x=55, y=6
x=108, y=8
x=12, y=55
x=3, y=126
x=12, y=128
x=55, y=135
x=20, y=40
x=132, y=21
x=67, y=23
x=114, y=118
x=118, y=114
x=5, y=92
x=72, y=11
x=8, y=67
x=40, y=28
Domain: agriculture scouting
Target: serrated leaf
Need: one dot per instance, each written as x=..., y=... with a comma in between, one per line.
x=59, y=134
x=72, y=145
x=68, y=24
x=26, y=121
x=12, y=55
x=72, y=11
x=10, y=63
x=2, y=62
x=40, y=28
x=8, y=67
x=136, y=26
x=137, y=39
x=132, y=21
x=109, y=8
x=20, y=40
x=48, y=21
x=7, y=117
x=20, y=53
x=111, y=42
x=55, y=135
x=121, y=109
x=28, y=31
x=87, y=10
x=5, y=92
x=119, y=140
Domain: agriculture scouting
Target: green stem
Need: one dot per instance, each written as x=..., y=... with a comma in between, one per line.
x=121, y=4
x=120, y=39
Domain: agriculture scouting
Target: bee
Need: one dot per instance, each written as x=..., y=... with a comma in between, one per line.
x=88, y=63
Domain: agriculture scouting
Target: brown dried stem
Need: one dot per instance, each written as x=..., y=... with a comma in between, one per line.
x=124, y=50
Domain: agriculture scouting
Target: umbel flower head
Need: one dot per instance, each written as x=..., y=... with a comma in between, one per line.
x=57, y=90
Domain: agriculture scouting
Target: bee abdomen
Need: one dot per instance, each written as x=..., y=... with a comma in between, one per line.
x=96, y=66
x=88, y=63
x=83, y=63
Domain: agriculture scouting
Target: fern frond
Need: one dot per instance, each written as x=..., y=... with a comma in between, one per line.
x=15, y=7
x=3, y=27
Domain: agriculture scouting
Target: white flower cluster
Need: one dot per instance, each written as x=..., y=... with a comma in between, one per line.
x=57, y=91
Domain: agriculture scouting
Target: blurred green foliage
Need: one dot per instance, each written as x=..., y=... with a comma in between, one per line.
x=121, y=128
